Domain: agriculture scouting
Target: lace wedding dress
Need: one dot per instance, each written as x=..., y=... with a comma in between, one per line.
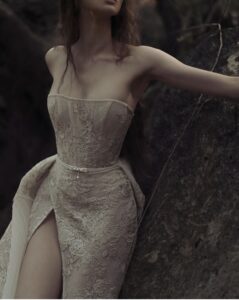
x=95, y=197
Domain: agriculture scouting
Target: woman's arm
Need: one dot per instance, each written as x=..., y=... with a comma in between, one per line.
x=164, y=67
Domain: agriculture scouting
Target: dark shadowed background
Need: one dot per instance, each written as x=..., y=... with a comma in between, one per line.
x=188, y=241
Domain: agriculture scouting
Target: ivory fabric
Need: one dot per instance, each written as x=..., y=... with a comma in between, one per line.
x=95, y=197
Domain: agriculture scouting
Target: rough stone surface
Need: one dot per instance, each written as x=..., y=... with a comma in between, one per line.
x=188, y=245
x=26, y=134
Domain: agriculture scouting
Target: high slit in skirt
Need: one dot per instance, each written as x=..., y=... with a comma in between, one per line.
x=97, y=214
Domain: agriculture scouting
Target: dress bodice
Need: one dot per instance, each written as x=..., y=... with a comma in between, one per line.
x=89, y=132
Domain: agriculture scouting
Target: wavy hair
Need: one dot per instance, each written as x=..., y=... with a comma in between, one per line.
x=124, y=28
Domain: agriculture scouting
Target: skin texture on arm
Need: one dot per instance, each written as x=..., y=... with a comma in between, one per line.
x=166, y=68
x=49, y=59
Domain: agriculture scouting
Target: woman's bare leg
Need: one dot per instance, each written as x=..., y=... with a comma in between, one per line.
x=41, y=271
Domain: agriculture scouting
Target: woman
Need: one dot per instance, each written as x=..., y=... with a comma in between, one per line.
x=76, y=214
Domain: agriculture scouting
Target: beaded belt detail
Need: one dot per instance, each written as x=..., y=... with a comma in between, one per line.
x=87, y=169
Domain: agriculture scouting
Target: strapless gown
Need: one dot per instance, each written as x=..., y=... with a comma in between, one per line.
x=96, y=199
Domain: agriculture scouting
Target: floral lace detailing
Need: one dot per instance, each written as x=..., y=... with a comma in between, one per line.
x=32, y=180
x=88, y=133
x=96, y=213
x=96, y=229
x=5, y=243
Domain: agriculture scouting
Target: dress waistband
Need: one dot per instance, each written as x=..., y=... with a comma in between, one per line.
x=87, y=169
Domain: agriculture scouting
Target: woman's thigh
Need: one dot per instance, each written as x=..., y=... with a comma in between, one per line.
x=41, y=270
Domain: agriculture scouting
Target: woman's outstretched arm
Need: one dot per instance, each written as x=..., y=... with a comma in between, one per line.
x=162, y=66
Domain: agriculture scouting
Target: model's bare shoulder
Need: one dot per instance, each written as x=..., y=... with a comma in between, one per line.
x=141, y=54
x=144, y=52
x=158, y=64
x=52, y=56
